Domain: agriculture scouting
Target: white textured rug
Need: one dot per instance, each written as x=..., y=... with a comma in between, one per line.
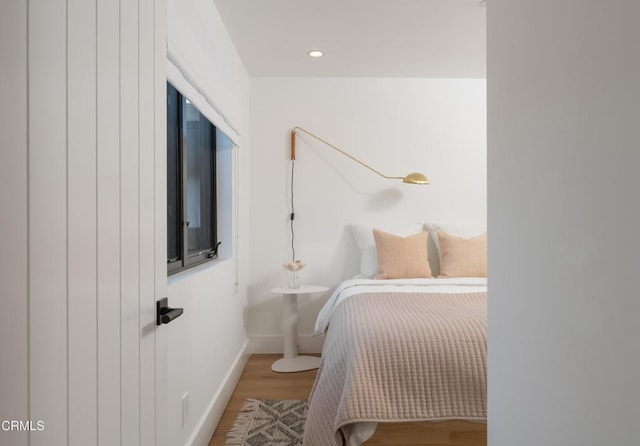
x=269, y=422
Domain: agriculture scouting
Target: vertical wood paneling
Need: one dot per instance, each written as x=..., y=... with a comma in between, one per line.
x=48, y=220
x=160, y=220
x=147, y=236
x=129, y=224
x=82, y=232
x=108, y=228
x=13, y=220
x=84, y=191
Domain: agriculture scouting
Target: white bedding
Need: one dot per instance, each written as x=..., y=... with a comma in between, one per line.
x=356, y=286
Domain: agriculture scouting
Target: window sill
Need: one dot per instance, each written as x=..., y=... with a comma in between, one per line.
x=195, y=269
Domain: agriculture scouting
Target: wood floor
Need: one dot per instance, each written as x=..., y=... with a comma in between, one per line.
x=258, y=381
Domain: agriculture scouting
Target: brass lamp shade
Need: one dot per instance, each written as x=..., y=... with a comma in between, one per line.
x=415, y=178
x=412, y=178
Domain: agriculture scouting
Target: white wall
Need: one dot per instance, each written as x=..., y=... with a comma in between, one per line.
x=564, y=331
x=82, y=224
x=14, y=276
x=398, y=126
x=84, y=230
x=207, y=345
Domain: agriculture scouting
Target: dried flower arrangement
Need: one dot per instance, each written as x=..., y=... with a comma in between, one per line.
x=294, y=265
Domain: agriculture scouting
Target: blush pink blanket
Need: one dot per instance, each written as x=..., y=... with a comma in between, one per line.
x=400, y=357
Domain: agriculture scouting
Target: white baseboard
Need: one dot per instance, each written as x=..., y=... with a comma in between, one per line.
x=273, y=344
x=209, y=421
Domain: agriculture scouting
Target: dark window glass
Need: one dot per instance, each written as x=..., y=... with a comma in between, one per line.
x=174, y=212
x=200, y=145
x=191, y=180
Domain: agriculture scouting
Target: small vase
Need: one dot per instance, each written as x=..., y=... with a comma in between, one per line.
x=293, y=279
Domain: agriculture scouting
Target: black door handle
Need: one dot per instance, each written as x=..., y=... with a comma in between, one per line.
x=164, y=314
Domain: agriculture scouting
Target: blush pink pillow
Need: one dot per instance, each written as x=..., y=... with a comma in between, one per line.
x=401, y=257
x=463, y=257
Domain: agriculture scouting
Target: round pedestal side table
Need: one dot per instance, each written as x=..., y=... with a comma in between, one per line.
x=292, y=362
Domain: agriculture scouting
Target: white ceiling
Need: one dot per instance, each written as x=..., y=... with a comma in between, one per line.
x=360, y=38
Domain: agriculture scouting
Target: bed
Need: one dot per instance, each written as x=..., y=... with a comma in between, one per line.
x=399, y=350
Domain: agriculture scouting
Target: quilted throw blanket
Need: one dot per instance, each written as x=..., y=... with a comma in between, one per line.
x=393, y=356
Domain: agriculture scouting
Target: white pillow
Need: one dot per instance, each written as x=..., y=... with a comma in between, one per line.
x=363, y=236
x=459, y=230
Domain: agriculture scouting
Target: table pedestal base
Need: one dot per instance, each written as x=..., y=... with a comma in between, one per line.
x=296, y=364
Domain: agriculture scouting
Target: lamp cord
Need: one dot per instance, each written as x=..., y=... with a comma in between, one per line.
x=292, y=216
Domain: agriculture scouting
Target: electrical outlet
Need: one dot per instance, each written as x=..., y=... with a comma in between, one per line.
x=184, y=406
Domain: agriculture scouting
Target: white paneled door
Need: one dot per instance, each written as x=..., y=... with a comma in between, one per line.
x=82, y=136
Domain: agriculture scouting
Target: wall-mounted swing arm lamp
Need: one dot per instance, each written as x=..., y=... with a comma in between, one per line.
x=412, y=178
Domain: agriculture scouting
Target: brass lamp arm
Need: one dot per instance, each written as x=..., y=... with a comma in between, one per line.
x=293, y=152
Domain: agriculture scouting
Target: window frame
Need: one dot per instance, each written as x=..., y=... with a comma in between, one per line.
x=185, y=261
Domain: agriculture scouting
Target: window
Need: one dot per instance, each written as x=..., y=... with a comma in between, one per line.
x=192, y=236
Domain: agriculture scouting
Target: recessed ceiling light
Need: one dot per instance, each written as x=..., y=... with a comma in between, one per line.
x=316, y=53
